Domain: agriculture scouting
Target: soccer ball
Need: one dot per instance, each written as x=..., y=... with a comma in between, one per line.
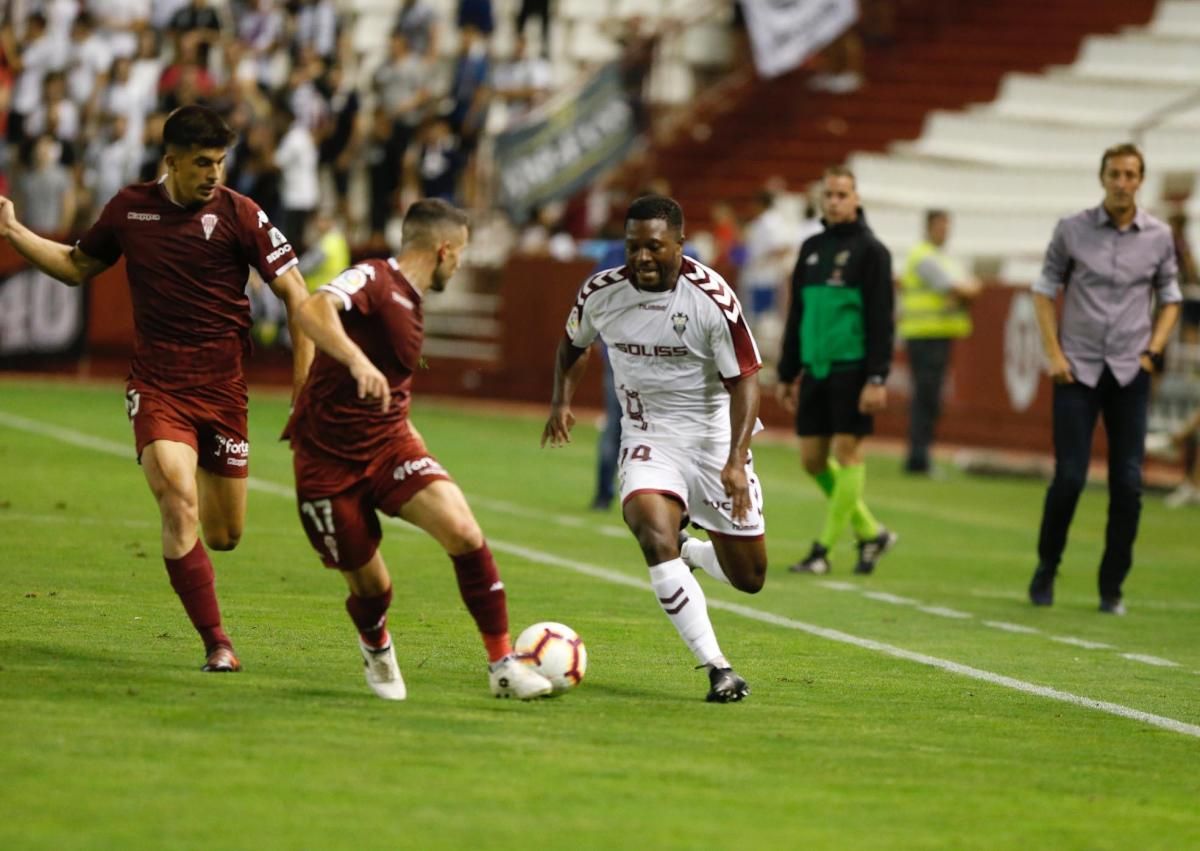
x=555, y=651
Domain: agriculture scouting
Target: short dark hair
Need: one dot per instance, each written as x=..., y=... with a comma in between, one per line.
x=933, y=215
x=650, y=207
x=1125, y=149
x=426, y=218
x=841, y=171
x=196, y=126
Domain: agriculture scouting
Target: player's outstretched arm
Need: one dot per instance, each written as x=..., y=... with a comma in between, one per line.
x=318, y=318
x=743, y=414
x=293, y=292
x=570, y=363
x=58, y=260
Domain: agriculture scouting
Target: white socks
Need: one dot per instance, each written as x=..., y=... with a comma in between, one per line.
x=682, y=599
x=702, y=554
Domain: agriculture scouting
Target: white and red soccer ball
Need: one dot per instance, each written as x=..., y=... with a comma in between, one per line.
x=555, y=651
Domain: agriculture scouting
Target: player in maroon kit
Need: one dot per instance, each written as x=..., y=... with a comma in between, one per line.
x=356, y=452
x=187, y=243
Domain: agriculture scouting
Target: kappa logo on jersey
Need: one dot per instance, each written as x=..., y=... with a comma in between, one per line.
x=717, y=291
x=679, y=322
x=402, y=301
x=209, y=222
x=237, y=450
x=424, y=466
x=143, y=217
x=262, y=219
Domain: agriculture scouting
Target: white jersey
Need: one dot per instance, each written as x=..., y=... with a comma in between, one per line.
x=670, y=351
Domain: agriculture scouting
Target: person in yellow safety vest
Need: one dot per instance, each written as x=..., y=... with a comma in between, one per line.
x=935, y=297
x=329, y=256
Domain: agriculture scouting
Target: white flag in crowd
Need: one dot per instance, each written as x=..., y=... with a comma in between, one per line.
x=783, y=33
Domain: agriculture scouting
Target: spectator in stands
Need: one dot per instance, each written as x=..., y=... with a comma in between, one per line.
x=476, y=14
x=470, y=90
x=56, y=115
x=196, y=29
x=1117, y=260
x=1187, y=441
x=935, y=297
x=383, y=151
x=299, y=179
x=254, y=172
x=338, y=135
x=113, y=160
x=88, y=65
x=261, y=28
x=770, y=252
x=1189, y=281
x=120, y=21
x=439, y=161
x=535, y=9
x=727, y=236
x=30, y=58
x=316, y=29
x=46, y=189
x=404, y=86
x=522, y=81
x=329, y=255
x=417, y=22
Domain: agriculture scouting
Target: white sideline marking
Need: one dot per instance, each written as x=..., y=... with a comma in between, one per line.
x=943, y=612
x=884, y=597
x=1013, y=627
x=1082, y=642
x=839, y=586
x=1151, y=660
x=1171, y=724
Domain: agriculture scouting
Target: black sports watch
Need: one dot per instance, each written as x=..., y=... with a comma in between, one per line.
x=1156, y=359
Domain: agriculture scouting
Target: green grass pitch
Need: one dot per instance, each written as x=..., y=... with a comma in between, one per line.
x=925, y=707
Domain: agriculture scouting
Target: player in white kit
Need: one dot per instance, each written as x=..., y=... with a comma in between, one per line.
x=684, y=363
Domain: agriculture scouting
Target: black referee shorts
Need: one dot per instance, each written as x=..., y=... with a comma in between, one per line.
x=829, y=405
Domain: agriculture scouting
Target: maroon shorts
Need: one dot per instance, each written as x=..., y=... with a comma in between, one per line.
x=211, y=420
x=338, y=499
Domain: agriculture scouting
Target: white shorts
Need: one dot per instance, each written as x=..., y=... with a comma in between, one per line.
x=692, y=474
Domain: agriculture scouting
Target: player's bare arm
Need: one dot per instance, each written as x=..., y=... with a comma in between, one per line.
x=570, y=364
x=743, y=414
x=317, y=317
x=64, y=262
x=292, y=292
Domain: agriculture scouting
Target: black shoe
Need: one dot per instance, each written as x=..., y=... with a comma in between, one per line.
x=1041, y=586
x=873, y=549
x=1112, y=606
x=817, y=561
x=727, y=686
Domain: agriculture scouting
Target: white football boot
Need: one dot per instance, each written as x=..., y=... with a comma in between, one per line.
x=510, y=677
x=382, y=671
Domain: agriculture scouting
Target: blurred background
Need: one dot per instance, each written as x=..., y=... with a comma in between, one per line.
x=546, y=117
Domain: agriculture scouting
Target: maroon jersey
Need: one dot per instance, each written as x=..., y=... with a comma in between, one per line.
x=187, y=270
x=383, y=316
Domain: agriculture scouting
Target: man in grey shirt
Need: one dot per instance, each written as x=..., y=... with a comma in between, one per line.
x=1112, y=261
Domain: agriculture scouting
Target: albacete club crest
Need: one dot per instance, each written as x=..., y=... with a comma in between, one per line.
x=679, y=322
x=209, y=222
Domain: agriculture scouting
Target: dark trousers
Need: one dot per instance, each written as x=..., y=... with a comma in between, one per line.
x=928, y=360
x=1124, y=411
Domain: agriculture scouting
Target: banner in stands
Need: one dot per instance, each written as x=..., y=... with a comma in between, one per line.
x=566, y=146
x=783, y=33
x=39, y=318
